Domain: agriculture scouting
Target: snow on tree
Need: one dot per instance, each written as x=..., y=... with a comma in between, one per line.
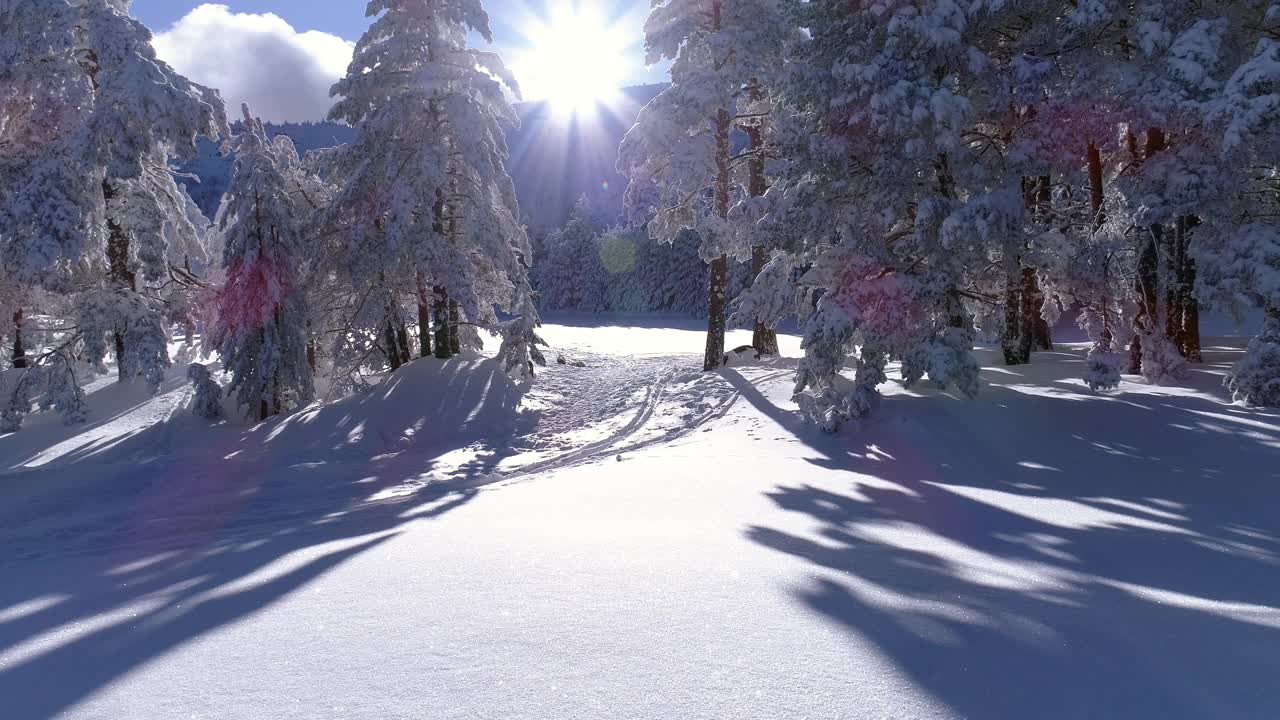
x=260, y=332
x=47, y=204
x=891, y=175
x=144, y=115
x=681, y=143
x=425, y=206
x=206, y=401
x=572, y=273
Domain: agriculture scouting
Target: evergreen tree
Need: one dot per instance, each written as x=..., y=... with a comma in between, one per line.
x=424, y=198
x=681, y=144
x=144, y=115
x=261, y=326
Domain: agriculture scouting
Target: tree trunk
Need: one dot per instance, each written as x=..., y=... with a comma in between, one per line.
x=1175, y=275
x=402, y=337
x=1043, y=333
x=1013, y=308
x=120, y=274
x=443, y=344
x=1095, y=187
x=716, y=324
x=718, y=286
x=424, y=328
x=1100, y=219
x=763, y=338
x=1147, y=285
x=1030, y=313
x=19, y=348
x=455, y=320
x=390, y=345
x=1191, y=316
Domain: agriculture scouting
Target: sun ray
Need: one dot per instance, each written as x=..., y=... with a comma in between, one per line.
x=575, y=59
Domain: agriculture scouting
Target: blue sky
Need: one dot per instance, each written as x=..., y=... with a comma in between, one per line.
x=263, y=62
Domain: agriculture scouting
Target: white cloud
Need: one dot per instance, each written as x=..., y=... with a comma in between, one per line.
x=283, y=74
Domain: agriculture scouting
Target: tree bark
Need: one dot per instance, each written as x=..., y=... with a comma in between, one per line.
x=718, y=285
x=19, y=348
x=1191, y=316
x=1100, y=219
x=120, y=274
x=1147, y=281
x=424, y=328
x=1010, y=342
x=455, y=320
x=1095, y=187
x=1043, y=333
x=443, y=344
x=763, y=338
x=1030, y=314
x=716, y=323
x=1148, y=274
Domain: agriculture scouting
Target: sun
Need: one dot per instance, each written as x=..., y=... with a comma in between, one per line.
x=575, y=60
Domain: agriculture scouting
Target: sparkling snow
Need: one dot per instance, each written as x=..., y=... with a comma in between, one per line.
x=635, y=539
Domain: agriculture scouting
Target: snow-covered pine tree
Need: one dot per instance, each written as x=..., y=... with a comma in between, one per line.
x=681, y=144
x=1240, y=252
x=144, y=115
x=572, y=275
x=261, y=327
x=46, y=168
x=206, y=400
x=895, y=188
x=425, y=200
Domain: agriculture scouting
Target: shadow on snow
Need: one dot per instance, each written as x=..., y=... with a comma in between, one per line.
x=166, y=549
x=1026, y=555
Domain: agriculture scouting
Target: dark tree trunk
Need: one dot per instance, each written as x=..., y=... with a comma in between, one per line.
x=424, y=328
x=264, y=403
x=1010, y=341
x=19, y=348
x=1175, y=276
x=402, y=337
x=716, y=322
x=1147, y=290
x=443, y=344
x=763, y=338
x=1148, y=277
x=1099, y=219
x=1095, y=187
x=1043, y=333
x=120, y=274
x=1030, y=314
x=718, y=285
x=396, y=336
x=455, y=320
x=1191, y=316
x=390, y=345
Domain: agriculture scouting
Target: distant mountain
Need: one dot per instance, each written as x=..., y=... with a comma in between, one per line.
x=554, y=161
x=214, y=169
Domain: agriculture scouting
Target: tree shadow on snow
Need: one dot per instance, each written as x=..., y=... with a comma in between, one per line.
x=109, y=566
x=1050, y=553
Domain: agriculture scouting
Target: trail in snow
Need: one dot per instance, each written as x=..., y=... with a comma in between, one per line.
x=1040, y=552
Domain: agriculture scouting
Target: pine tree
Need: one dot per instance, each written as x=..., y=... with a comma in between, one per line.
x=144, y=115
x=424, y=198
x=260, y=331
x=681, y=144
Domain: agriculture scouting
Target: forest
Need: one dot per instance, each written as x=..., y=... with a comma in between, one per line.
x=890, y=358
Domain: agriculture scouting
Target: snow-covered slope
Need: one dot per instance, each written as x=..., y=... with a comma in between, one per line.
x=633, y=539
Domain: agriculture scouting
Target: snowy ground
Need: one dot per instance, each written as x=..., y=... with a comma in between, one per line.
x=633, y=539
